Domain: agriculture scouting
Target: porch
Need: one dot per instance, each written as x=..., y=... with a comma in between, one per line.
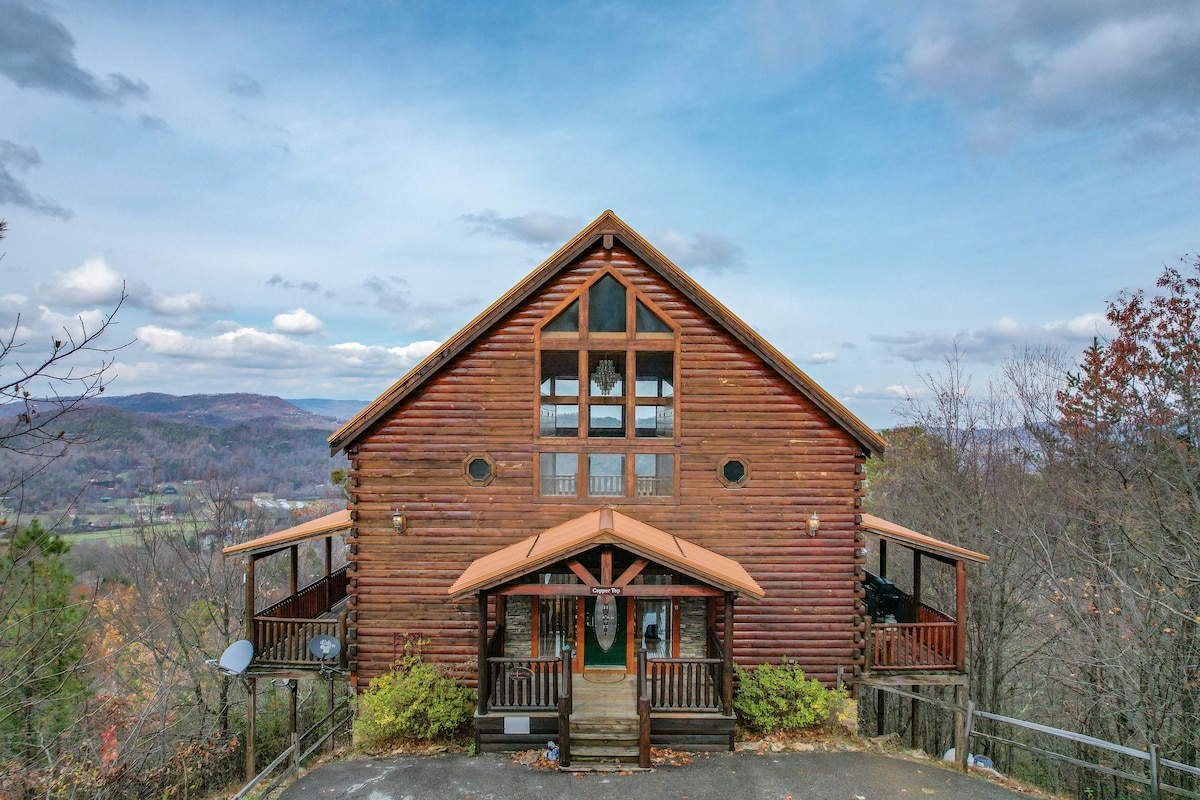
x=608, y=636
x=903, y=633
x=679, y=703
x=281, y=632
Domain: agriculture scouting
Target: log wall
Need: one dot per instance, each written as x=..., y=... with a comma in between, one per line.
x=484, y=402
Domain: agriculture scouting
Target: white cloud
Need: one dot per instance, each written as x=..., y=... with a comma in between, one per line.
x=996, y=342
x=822, y=358
x=700, y=251
x=538, y=227
x=1025, y=63
x=893, y=392
x=175, y=305
x=253, y=349
x=92, y=282
x=298, y=323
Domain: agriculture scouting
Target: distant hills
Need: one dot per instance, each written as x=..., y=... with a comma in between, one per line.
x=340, y=410
x=225, y=410
x=258, y=442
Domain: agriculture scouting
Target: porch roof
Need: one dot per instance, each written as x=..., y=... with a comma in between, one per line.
x=317, y=528
x=919, y=541
x=605, y=525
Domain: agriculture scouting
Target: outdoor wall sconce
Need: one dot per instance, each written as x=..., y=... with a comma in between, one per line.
x=814, y=524
x=398, y=521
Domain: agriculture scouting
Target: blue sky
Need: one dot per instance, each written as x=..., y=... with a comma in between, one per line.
x=302, y=199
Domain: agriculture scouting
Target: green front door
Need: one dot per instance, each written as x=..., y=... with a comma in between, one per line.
x=604, y=639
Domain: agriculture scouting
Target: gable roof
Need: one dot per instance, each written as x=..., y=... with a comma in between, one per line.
x=605, y=525
x=607, y=224
x=877, y=526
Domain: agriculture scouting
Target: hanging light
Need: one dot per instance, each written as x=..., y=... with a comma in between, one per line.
x=605, y=377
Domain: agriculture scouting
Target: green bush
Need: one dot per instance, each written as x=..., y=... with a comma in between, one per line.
x=414, y=702
x=779, y=699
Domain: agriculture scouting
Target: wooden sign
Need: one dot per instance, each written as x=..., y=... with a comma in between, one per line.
x=603, y=591
x=520, y=674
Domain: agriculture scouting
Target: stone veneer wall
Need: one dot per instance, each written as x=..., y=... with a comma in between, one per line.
x=693, y=617
x=518, y=627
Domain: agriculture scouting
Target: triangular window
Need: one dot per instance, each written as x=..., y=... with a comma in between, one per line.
x=646, y=321
x=567, y=321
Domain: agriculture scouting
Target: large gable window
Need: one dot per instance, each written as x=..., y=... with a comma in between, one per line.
x=607, y=378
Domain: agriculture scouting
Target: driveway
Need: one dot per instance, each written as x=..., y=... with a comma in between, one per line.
x=815, y=775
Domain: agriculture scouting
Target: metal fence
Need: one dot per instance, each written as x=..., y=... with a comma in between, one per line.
x=1145, y=772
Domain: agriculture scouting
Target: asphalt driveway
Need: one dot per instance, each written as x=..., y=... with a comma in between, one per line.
x=815, y=775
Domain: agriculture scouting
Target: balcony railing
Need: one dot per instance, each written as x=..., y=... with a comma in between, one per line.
x=284, y=640
x=684, y=684
x=313, y=600
x=281, y=632
x=606, y=485
x=928, y=644
x=524, y=684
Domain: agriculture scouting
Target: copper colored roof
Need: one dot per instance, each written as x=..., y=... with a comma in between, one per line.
x=313, y=529
x=919, y=541
x=607, y=224
x=602, y=526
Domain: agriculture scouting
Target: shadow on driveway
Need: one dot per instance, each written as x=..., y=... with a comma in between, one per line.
x=798, y=775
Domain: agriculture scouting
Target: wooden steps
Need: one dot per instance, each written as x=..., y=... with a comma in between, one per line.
x=604, y=739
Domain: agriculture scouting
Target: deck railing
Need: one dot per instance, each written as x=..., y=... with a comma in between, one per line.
x=284, y=640
x=524, y=684
x=311, y=601
x=930, y=643
x=684, y=684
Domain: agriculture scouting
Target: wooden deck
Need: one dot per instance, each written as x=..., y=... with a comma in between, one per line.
x=596, y=700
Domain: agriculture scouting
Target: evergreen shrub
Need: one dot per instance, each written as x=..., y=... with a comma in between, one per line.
x=414, y=702
x=779, y=699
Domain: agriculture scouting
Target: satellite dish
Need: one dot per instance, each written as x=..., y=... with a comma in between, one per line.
x=324, y=647
x=236, y=657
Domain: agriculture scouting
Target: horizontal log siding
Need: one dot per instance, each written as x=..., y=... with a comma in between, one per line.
x=731, y=403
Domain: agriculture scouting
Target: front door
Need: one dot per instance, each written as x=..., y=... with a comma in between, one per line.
x=604, y=640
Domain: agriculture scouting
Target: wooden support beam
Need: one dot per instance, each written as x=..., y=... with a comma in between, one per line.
x=249, y=614
x=582, y=573
x=631, y=590
x=606, y=566
x=631, y=572
x=482, y=663
x=883, y=558
x=251, y=710
x=916, y=593
x=328, y=571
x=727, y=672
x=960, y=614
x=293, y=569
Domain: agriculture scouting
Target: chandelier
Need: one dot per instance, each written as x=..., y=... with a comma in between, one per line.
x=605, y=377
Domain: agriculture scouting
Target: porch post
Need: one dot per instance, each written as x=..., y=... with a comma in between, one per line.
x=251, y=710
x=294, y=570
x=328, y=571
x=916, y=595
x=727, y=671
x=882, y=557
x=960, y=613
x=482, y=644
x=250, y=633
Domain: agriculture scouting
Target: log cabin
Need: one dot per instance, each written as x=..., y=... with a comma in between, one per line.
x=596, y=499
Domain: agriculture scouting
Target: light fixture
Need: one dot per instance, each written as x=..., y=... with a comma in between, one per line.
x=814, y=524
x=605, y=377
x=398, y=521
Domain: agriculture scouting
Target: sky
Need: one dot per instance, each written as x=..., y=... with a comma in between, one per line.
x=303, y=199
